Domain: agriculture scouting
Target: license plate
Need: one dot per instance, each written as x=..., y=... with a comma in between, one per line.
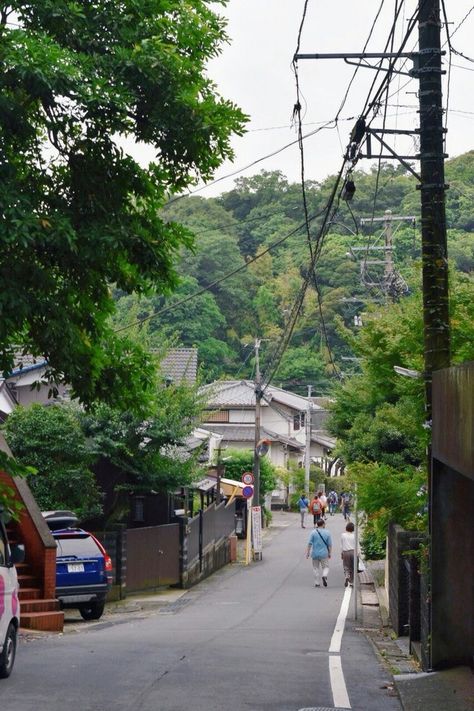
x=75, y=567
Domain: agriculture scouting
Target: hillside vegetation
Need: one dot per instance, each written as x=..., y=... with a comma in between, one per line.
x=255, y=302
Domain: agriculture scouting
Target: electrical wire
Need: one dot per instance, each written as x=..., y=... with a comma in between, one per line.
x=314, y=253
x=343, y=102
x=221, y=279
x=252, y=164
x=450, y=61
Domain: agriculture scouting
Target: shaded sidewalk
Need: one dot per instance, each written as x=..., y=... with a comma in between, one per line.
x=447, y=690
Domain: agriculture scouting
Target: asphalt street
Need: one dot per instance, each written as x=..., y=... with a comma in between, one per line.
x=248, y=638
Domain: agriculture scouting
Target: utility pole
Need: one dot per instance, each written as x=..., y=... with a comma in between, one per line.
x=427, y=68
x=307, y=452
x=433, y=216
x=258, y=400
x=388, y=267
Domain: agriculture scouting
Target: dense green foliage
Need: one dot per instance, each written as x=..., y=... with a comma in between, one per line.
x=255, y=302
x=50, y=440
x=64, y=444
x=378, y=415
x=80, y=84
x=151, y=452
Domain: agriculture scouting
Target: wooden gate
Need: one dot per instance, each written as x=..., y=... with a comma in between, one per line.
x=152, y=557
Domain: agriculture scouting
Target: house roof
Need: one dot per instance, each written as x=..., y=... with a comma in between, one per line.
x=241, y=393
x=180, y=364
x=322, y=437
x=246, y=433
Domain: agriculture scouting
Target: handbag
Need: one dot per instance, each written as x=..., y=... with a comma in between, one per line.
x=360, y=565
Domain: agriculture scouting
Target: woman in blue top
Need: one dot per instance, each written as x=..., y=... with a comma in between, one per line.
x=320, y=546
x=303, y=503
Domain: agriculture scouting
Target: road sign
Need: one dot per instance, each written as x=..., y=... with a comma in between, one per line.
x=247, y=478
x=247, y=491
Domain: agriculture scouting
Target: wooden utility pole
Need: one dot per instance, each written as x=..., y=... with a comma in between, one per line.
x=433, y=215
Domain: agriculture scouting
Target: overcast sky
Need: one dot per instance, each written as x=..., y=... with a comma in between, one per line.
x=255, y=72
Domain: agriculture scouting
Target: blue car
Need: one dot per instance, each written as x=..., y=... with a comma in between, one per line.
x=83, y=570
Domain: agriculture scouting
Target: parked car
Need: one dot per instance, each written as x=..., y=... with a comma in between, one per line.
x=83, y=568
x=9, y=603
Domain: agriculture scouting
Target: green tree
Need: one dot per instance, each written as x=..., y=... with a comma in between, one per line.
x=302, y=366
x=151, y=453
x=79, y=81
x=50, y=440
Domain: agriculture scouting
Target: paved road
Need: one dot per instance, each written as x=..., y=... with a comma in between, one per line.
x=247, y=639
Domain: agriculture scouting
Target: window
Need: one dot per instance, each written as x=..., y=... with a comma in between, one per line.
x=298, y=421
x=77, y=546
x=139, y=508
x=216, y=416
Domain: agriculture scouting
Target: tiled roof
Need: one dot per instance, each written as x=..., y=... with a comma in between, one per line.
x=323, y=437
x=242, y=393
x=246, y=433
x=180, y=364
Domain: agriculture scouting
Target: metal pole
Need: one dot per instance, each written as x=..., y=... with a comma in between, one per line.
x=258, y=399
x=388, y=268
x=356, y=552
x=219, y=472
x=307, y=453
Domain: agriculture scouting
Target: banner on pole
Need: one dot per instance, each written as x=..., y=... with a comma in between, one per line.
x=257, y=528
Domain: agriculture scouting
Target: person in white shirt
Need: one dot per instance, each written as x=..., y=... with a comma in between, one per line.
x=347, y=553
x=324, y=503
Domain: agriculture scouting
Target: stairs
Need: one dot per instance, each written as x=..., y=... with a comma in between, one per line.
x=36, y=613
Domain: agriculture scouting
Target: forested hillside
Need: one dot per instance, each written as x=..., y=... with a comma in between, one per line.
x=262, y=210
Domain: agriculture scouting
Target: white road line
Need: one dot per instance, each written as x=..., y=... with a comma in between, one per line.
x=336, y=638
x=338, y=684
x=336, y=675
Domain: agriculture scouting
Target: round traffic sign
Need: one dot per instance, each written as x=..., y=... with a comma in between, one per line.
x=247, y=491
x=247, y=478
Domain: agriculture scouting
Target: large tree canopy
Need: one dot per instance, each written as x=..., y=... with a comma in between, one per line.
x=79, y=80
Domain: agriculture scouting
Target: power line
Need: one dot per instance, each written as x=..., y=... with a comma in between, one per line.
x=255, y=162
x=216, y=282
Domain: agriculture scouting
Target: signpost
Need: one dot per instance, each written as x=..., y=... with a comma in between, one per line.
x=257, y=531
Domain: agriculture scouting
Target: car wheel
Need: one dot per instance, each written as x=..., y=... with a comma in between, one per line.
x=92, y=611
x=7, y=657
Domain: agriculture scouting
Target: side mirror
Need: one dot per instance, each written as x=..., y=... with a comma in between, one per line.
x=17, y=553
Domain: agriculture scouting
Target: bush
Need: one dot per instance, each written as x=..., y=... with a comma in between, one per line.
x=371, y=544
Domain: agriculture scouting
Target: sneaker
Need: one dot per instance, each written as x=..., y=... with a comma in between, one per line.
x=317, y=585
x=346, y=582
x=325, y=582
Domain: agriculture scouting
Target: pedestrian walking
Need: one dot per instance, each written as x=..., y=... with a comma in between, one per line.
x=315, y=508
x=303, y=505
x=324, y=502
x=319, y=547
x=346, y=499
x=332, y=502
x=348, y=554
